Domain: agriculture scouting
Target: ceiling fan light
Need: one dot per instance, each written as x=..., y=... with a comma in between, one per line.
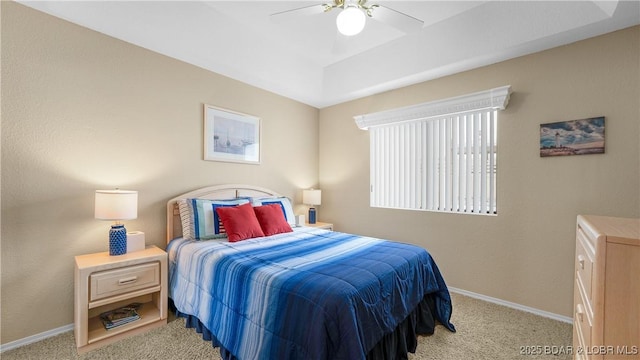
x=351, y=21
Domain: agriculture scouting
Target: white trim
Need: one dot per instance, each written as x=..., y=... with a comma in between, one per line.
x=496, y=98
x=35, y=338
x=53, y=332
x=512, y=305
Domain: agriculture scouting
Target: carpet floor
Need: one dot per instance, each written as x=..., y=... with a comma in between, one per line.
x=484, y=331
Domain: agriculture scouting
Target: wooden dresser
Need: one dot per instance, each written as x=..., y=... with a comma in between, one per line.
x=606, y=296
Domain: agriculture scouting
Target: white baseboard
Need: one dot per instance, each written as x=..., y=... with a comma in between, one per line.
x=62, y=329
x=35, y=338
x=512, y=305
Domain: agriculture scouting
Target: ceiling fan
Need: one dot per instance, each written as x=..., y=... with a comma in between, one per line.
x=352, y=17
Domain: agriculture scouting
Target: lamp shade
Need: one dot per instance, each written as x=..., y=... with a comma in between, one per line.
x=116, y=205
x=351, y=21
x=312, y=197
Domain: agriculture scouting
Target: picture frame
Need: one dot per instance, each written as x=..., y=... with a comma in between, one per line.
x=573, y=137
x=231, y=136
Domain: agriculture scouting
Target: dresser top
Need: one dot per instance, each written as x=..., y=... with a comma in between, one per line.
x=625, y=229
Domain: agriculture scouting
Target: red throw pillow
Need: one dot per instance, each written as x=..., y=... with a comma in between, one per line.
x=240, y=222
x=271, y=219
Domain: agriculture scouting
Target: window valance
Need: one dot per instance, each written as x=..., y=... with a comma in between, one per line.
x=496, y=98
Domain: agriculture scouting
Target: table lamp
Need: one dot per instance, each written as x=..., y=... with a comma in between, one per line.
x=312, y=197
x=117, y=205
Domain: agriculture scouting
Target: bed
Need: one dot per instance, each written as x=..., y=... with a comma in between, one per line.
x=301, y=293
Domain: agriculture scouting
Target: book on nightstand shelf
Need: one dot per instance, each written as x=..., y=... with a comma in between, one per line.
x=120, y=316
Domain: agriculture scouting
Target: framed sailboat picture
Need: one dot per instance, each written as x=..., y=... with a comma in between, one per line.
x=231, y=136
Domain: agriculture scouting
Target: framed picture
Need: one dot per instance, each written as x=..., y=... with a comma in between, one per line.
x=575, y=137
x=231, y=136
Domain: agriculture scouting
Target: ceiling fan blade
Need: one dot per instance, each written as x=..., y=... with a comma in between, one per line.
x=297, y=13
x=400, y=21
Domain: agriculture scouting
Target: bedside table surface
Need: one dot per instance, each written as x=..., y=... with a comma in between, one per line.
x=104, y=259
x=322, y=225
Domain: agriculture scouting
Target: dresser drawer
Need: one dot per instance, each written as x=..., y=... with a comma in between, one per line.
x=120, y=281
x=582, y=321
x=584, y=263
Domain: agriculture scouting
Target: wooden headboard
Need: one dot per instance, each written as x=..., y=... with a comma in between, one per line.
x=217, y=192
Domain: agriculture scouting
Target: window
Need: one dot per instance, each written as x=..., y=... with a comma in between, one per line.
x=438, y=156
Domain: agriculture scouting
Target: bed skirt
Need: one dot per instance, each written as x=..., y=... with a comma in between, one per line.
x=393, y=346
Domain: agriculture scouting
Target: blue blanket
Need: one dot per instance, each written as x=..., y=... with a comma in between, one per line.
x=310, y=294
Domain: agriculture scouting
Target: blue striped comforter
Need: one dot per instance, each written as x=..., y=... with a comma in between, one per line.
x=310, y=294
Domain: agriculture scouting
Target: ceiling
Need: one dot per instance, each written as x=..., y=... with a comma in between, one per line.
x=304, y=57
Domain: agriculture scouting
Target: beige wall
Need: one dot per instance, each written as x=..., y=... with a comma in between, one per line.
x=525, y=254
x=83, y=111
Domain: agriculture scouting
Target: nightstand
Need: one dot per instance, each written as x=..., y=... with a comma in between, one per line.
x=104, y=283
x=321, y=225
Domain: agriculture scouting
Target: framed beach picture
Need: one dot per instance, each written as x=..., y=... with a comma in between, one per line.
x=231, y=136
x=575, y=137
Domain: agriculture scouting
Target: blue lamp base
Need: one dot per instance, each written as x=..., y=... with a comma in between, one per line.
x=117, y=240
x=312, y=215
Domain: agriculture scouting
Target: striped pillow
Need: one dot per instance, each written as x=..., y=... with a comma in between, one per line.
x=200, y=220
x=285, y=205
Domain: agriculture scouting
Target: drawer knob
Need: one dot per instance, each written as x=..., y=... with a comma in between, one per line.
x=579, y=312
x=127, y=281
x=581, y=261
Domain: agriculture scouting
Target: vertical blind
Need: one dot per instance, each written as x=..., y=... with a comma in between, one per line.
x=437, y=156
x=446, y=163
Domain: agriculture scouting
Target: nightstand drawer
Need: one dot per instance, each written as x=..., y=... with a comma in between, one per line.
x=119, y=281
